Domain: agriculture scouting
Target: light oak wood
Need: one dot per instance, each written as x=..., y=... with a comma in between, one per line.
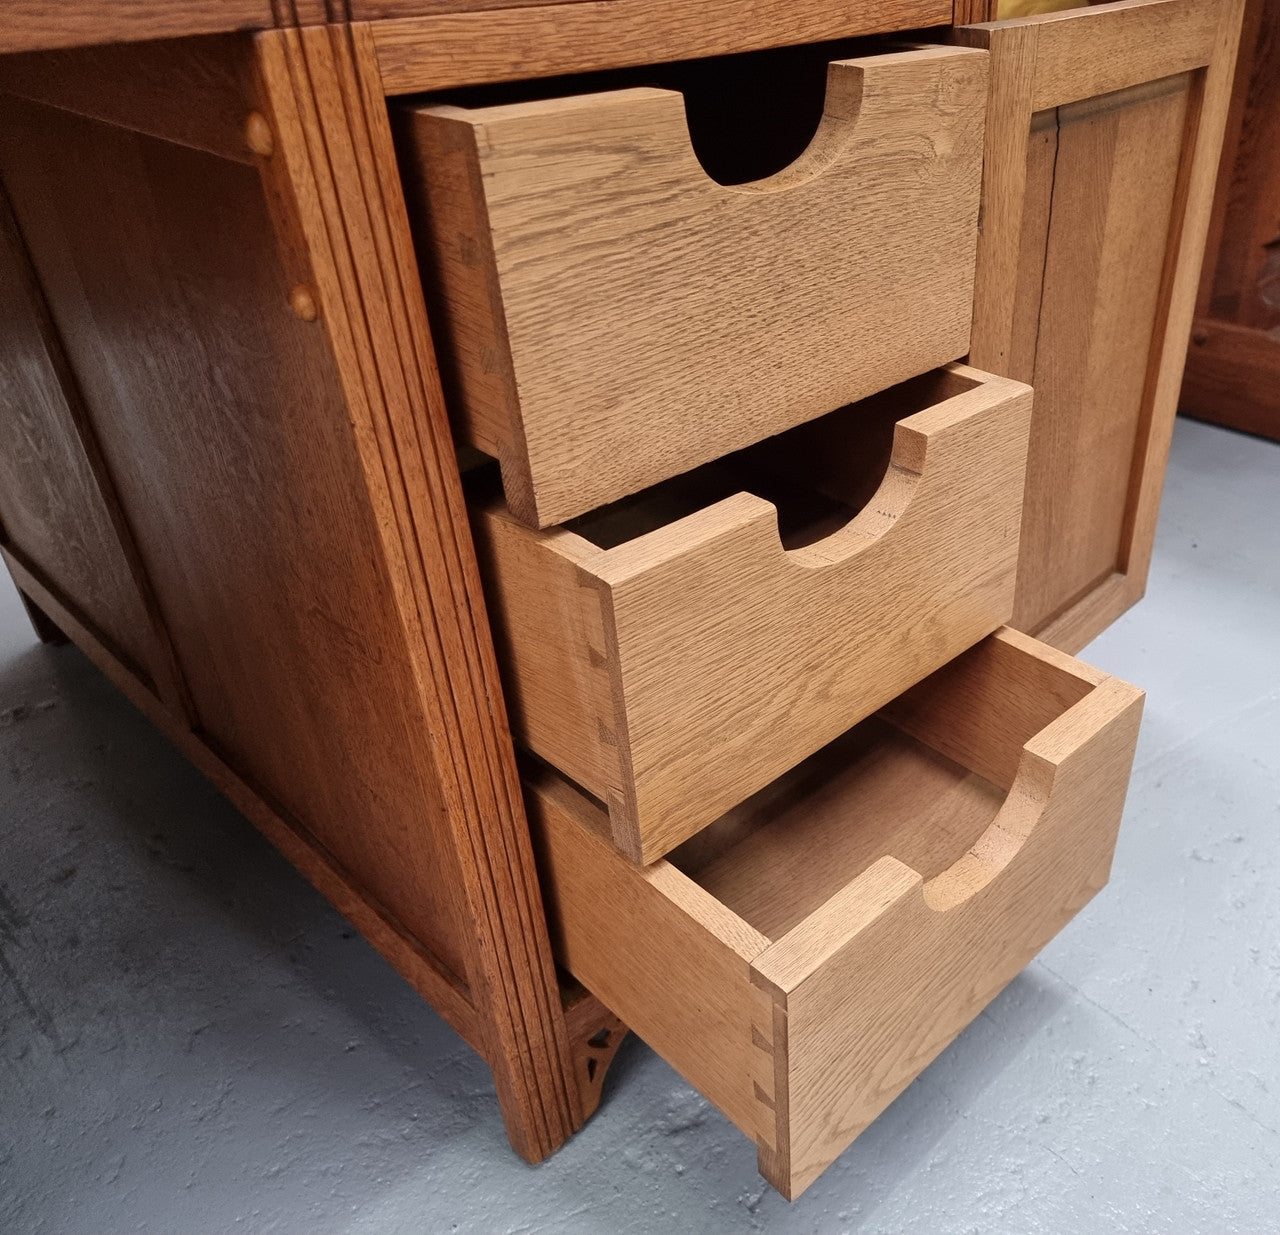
x=611, y=317
x=436, y=51
x=1103, y=131
x=237, y=400
x=675, y=673
x=864, y=909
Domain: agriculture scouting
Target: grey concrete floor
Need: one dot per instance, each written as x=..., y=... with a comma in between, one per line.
x=193, y=1041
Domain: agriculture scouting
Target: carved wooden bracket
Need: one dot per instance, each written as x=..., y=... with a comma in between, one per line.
x=594, y=1037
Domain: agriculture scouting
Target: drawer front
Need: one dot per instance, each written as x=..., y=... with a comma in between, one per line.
x=674, y=674
x=805, y=958
x=609, y=316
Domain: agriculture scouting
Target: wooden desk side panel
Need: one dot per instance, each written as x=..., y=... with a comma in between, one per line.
x=343, y=692
x=225, y=431
x=53, y=510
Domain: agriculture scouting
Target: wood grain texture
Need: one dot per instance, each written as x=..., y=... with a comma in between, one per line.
x=435, y=52
x=1233, y=377
x=939, y=950
x=1085, y=53
x=614, y=317
x=1094, y=233
x=1114, y=183
x=226, y=433
x=803, y=1032
x=675, y=674
x=190, y=91
x=966, y=12
x=1231, y=364
x=31, y=25
x=337, y=192
x=58, y=507
x=383, y=10
x=1240, y=283
x=681, y=981
x=420, y=967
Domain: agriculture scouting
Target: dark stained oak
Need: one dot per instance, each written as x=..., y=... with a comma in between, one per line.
x=189, y=91
x=1234, y=358
x=1233, y=377
x=341, y=212
x=53, y=508
x=31, y=25
x=224, y=426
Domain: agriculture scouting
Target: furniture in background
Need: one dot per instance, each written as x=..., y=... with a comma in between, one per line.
x=230, y=472
x=1233, y=364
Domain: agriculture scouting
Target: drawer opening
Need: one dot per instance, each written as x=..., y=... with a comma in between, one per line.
x=749, y=116
x=933, y=791
x=819, y=476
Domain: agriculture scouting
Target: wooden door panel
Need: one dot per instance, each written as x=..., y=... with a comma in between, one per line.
x=1114, y=178
x=1103, y=131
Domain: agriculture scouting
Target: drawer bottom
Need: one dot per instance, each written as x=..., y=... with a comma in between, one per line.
x=804, y=958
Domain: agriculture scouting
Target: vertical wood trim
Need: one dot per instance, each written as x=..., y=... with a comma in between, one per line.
x=1013, y=64
x=336, y=177
x=1232, y=135
x=968, y=12
x=1193, y=206
x=163, y=676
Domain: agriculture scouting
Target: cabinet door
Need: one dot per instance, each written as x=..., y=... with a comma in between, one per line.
x=1104, y=127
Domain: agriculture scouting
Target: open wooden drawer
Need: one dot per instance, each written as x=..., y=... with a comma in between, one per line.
x=608, y=316
x=676, y=652
x=804, y=958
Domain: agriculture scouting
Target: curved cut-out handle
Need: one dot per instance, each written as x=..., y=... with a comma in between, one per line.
x=933, y=452
x=866, y=96
x=1051, y=764
x=1070, y=783
x=1003, y=840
